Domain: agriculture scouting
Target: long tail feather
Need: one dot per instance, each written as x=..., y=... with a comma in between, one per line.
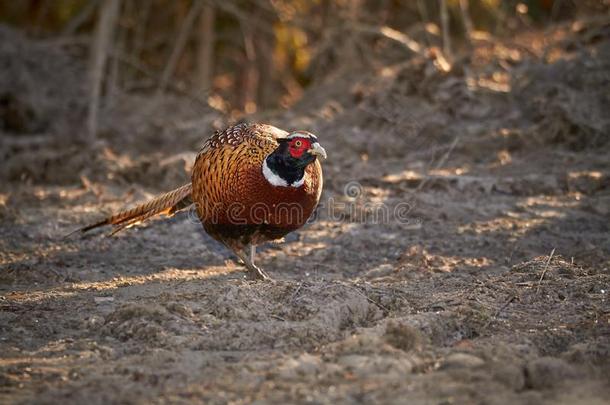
x=168, y=204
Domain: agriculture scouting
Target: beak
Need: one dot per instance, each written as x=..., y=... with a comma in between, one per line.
x=317, y=150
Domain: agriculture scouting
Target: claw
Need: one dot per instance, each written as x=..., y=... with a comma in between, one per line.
x=254, y=272
x=257, y=273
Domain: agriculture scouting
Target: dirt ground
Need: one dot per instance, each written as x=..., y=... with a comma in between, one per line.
x=461, y=253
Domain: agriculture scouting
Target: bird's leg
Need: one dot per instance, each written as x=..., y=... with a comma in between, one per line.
x=254, y=270
x=252, y=253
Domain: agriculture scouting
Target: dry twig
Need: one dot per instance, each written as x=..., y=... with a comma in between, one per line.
x=440, y=163
x=499, y=311
x=546, y=266
x=392, y=34
x=296, y=293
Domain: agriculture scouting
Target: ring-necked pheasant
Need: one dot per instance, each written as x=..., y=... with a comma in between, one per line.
x=251, y=183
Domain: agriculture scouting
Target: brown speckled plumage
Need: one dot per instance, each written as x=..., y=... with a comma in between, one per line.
x=228, y=185
x=235, y=202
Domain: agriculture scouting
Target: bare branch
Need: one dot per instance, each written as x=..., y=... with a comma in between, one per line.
x=181, y=40
x=423, y=12
x=445, y=27
x=392, y=34
x=465, y=9
x=205, y=48
x=78, y=20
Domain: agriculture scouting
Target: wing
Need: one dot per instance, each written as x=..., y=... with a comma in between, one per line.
x=227, y=165
x=261, y=135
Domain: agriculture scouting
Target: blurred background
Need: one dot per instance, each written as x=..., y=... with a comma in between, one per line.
x=151, y=76
x=245, y=56
x=241, y=57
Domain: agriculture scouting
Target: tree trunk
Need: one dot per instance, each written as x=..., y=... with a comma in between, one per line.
x=102, y=40
x=205, y=49
x=249, y=73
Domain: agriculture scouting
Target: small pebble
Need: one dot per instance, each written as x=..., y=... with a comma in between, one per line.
x=462, y=360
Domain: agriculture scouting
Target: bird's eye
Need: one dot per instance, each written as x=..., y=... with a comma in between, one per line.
x=298, y=144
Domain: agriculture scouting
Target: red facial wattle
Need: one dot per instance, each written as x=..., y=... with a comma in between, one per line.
x=298, y=146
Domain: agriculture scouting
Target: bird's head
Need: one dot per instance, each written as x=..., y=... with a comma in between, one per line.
x=301, y=148
x=286, y=165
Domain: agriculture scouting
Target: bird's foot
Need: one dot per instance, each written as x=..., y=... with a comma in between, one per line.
x=256, y=273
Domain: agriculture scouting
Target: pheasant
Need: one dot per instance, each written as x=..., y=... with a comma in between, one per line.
x=250, y=184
